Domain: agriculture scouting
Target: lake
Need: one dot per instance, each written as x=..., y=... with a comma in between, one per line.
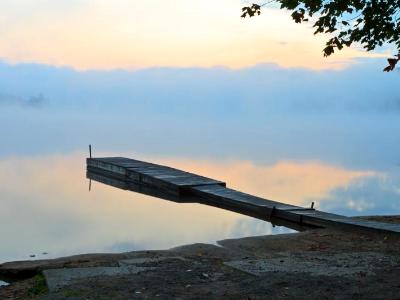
x=345, y=158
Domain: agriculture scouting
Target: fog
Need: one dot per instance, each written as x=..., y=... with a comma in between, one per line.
x=264, y=113
x=291, y=135
x=209, y=92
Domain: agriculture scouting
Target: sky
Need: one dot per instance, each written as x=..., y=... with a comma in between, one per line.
x=191, y=85
x=171, y=78
x=132, y=34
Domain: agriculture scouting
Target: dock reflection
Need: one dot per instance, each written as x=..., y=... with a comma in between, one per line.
x=130, y=186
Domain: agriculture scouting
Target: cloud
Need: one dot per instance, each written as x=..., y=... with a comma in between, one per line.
x=157, y=33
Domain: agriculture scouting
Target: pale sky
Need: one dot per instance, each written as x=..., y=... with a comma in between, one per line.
x=132, y=34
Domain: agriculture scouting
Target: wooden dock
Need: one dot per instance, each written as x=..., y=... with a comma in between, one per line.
x=180, y=186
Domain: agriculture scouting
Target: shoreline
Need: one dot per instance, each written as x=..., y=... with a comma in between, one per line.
x=312, y=264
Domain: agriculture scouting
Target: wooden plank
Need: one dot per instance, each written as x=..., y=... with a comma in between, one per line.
x=125, y=185
x=221, y=193
x=106, y=166
x=161, y=177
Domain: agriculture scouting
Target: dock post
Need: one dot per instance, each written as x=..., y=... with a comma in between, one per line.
x=271, y=213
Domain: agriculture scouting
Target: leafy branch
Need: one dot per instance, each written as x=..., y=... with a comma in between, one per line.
x=371, y=23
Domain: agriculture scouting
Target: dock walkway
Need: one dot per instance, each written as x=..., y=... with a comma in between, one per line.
x=180, y=186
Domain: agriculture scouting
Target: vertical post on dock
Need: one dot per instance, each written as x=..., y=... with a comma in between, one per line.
x=90, y=156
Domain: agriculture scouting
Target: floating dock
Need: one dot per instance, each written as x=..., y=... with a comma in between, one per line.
x=180, y=186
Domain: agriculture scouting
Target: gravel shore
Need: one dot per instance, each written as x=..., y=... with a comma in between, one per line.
x=315, y=264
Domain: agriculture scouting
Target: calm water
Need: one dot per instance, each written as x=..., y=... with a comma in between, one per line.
x=343, y=157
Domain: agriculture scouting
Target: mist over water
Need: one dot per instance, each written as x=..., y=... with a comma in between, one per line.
x=292, y=135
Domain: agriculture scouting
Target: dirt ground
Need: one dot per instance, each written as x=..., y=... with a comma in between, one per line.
x=316, y=264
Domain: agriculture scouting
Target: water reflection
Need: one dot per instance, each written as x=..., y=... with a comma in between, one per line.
x=3, y=283
x=46, y=206
x=366, y=196
x=142, y=189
